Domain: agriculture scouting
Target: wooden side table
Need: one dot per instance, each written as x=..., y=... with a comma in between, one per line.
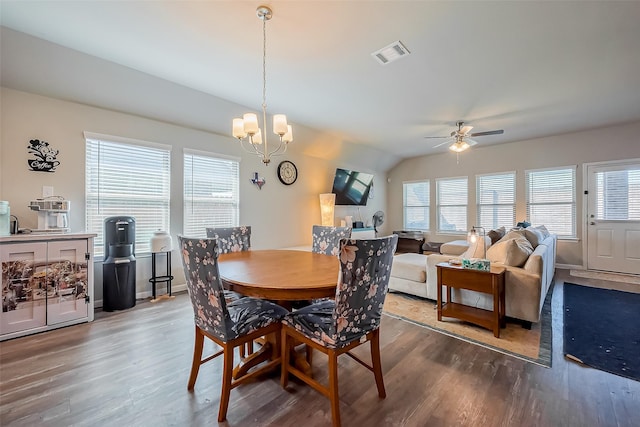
x=489, y=282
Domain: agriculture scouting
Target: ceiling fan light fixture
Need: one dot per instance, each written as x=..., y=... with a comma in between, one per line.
x=459, y=146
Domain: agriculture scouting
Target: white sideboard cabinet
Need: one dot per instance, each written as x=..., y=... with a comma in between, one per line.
x=47, y=282
x=363, y=233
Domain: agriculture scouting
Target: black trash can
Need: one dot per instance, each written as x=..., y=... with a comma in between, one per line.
x=119, y=266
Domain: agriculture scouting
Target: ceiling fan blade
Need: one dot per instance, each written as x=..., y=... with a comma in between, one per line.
x=490, y=132
x=470, y=141
x=447, y=136
x=466, y=129
x=441, y=144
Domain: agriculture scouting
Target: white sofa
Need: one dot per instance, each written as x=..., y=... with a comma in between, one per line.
x=526, y=286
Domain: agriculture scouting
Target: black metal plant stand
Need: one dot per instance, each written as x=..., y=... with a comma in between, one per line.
x=167, y=278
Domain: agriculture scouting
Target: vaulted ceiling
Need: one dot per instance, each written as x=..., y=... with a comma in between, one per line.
x=532, y=68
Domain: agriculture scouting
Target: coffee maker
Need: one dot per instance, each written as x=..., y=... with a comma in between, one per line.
x=53, y=214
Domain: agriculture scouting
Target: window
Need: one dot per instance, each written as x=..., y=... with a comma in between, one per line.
x=416, y=205
x=452, y=205
x=551, y=200
x=211, y=192
x=125, y=177
x=496, y=198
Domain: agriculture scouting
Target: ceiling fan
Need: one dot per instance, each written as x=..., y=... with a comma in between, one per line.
x=460, y=139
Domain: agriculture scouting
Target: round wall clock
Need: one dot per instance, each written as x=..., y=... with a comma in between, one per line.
x=287, y=172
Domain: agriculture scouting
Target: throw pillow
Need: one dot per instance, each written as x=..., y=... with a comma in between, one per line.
x=512, y=252
x=496, y=234
x=543, y=230
x=534, y=235
x=512, y=234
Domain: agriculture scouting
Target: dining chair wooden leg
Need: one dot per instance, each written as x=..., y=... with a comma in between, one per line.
x=197, y=358
x=334, y=397
x=376, y=363
x=227, y=377
x=285, y=357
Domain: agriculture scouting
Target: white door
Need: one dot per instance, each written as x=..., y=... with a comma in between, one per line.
x=613, y=224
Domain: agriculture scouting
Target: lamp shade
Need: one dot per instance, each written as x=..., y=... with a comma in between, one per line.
x=327, y=206
x=160, y=241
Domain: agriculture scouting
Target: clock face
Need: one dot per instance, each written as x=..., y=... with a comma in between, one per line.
x=287, y=172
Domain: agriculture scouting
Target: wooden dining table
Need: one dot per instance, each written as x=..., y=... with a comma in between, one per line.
x=281, y=276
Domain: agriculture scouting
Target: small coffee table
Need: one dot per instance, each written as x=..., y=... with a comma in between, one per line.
x=489, y=282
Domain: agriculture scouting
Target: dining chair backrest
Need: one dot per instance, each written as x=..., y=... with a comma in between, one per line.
x=365, y=268
x=231, y=239
x=326, y=240
x=200, y=262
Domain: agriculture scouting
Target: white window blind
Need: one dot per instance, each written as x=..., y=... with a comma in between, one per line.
x=551, y=200
x=211, y=193
x=127, y=179
x=618, y=195
x=416, y=205
x=452, y=196
x=496, y=198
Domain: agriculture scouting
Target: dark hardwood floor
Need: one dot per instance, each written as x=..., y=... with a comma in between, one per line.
x=131, y=368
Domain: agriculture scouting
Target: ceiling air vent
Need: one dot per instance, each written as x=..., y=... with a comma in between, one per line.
x=395, y=50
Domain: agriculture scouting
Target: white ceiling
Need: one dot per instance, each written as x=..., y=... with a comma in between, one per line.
x=532, y=68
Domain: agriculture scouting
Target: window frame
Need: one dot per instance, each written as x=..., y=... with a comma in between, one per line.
x=235, y=200
x=480, y=205
x=427, y=207
x=572, y=235
x=154, y=199
x=439, y=205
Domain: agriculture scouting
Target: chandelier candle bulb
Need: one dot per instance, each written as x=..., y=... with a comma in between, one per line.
x=280, y=124
x=238, y=129
x=288, y=137
x=257, y=138
x=250, y=123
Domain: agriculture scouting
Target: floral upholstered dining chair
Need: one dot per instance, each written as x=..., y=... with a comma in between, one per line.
x=326, y=240
x=335, y=327
x=229, y=325
x=231, y=239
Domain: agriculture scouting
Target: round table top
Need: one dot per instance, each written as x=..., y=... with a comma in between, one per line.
x=278, y=274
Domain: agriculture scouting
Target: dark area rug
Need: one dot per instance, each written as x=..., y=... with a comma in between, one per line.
x=602, y=329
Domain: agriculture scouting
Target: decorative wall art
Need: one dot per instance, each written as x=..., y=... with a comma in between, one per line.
x=258, y=181
x=45, y=160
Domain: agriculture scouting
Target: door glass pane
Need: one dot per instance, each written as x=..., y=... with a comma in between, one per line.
x=618, y=195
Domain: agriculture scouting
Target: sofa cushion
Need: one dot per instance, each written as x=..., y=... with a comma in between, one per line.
x=455, y=247
x=534, y=235
x=496, y=234
x=410, y=266
x=513, y=251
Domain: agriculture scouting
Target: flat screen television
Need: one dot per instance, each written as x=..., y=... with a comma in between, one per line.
x=351, y=187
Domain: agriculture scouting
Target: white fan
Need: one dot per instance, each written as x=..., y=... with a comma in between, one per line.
x=378, y=220
x=460, y=139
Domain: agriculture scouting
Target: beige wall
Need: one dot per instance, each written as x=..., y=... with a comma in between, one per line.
x=280, y=215
x=614, y=143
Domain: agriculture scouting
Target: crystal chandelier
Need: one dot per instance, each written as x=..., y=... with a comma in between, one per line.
x=248, y=125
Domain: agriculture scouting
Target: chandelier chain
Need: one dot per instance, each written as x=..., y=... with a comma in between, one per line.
x=264, y=63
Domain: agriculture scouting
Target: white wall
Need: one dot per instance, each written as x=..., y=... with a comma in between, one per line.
x=280, y=215
x=604, y=144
